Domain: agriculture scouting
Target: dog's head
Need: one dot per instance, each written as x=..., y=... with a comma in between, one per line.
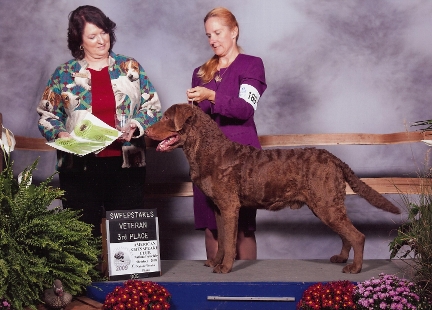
x=169, y=130
x=50, y=100
x=131, y=68
x=70, y=101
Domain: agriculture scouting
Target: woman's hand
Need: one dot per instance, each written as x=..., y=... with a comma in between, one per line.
x=63, y=134
x=127, y=135
x=199, y=93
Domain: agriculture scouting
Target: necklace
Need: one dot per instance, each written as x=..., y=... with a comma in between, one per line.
x=218, y=76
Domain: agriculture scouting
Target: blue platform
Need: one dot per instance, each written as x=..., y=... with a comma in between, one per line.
x=260, y=284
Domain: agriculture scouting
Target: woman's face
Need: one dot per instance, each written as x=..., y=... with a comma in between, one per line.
x=221, y=38
x=95, y=42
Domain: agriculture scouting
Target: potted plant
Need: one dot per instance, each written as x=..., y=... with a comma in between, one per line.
x=137, y=294
x=4, y=304
x=37, y=244
x=413, y=242
x=389, y=292
x=331, y=295
x=384, y=292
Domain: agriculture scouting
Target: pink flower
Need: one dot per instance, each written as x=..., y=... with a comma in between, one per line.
x=388, y=291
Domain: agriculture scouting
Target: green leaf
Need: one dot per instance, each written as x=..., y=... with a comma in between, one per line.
x=38, y=245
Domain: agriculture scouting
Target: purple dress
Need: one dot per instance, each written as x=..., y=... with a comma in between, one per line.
x=237, y=95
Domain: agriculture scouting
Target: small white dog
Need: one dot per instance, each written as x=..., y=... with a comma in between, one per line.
x=133, y=156
x=128, y=85
x=152, y=103
x=131, y=68
x=71, y=103
x=50, y=100
x=82, y=78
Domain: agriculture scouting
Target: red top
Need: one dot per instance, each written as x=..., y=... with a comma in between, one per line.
x=103, y=106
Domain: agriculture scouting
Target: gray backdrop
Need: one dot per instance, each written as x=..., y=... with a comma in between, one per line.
x=331, y=67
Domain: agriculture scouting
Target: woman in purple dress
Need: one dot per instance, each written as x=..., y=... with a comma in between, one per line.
x=228, y=87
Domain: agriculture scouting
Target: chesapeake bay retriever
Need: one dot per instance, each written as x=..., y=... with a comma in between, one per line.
x=235, y=175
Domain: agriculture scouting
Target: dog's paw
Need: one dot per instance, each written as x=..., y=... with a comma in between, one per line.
x=210, y=263
x=351, y=268
x=338, y=259
x=221, y=269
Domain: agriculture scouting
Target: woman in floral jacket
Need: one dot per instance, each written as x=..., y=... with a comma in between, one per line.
x=103, y=83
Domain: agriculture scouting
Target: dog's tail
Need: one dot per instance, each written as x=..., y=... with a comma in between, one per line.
x=367, y=192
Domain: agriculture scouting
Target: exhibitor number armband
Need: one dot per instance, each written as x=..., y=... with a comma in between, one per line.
x=250, y=94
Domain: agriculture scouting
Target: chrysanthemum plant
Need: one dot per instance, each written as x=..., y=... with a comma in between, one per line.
x=389, y=292
x=38, y=244
x=332, y=295
x=137, y=294
x=4, y=304
x=385, y=292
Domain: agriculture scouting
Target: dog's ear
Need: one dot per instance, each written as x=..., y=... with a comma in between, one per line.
x=182, y=114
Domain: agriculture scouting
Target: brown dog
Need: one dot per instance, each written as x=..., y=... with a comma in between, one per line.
x=235, y=175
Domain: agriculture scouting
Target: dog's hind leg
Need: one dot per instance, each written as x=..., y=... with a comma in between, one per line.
x=357, y=241
x=337, y=219
x=344, y=254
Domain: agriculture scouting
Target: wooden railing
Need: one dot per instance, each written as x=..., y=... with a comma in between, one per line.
x=382, y=185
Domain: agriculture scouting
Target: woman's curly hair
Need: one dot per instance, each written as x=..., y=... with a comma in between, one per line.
x=77, y=21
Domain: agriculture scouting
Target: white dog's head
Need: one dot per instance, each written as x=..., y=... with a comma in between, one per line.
x=131, y=68
x=70, y=100
x=46, y=105
x=49, y=101
x=81, y=78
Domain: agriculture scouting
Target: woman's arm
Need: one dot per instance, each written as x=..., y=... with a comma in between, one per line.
x=240, y=103
x=149, y=111
x=243, y=103
x=51, y=109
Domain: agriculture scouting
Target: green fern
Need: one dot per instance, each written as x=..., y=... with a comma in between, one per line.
x=38, y=245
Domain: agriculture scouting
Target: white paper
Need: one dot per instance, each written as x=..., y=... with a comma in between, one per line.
x=90, y=135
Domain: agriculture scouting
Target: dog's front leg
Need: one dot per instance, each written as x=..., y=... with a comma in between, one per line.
x=227, y=241
x=220, y=250
x=125, y=153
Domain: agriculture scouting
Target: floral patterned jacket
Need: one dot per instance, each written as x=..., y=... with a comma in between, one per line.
x=67, y=97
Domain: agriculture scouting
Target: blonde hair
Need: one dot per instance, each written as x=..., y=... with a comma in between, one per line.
x=207, y=71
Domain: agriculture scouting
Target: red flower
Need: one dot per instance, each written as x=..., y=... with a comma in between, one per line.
x=138, y=295
x=332, y=296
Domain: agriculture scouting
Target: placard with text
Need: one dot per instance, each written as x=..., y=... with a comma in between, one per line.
x=133, y=244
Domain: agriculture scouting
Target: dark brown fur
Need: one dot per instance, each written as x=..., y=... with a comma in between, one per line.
x=234, y=175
